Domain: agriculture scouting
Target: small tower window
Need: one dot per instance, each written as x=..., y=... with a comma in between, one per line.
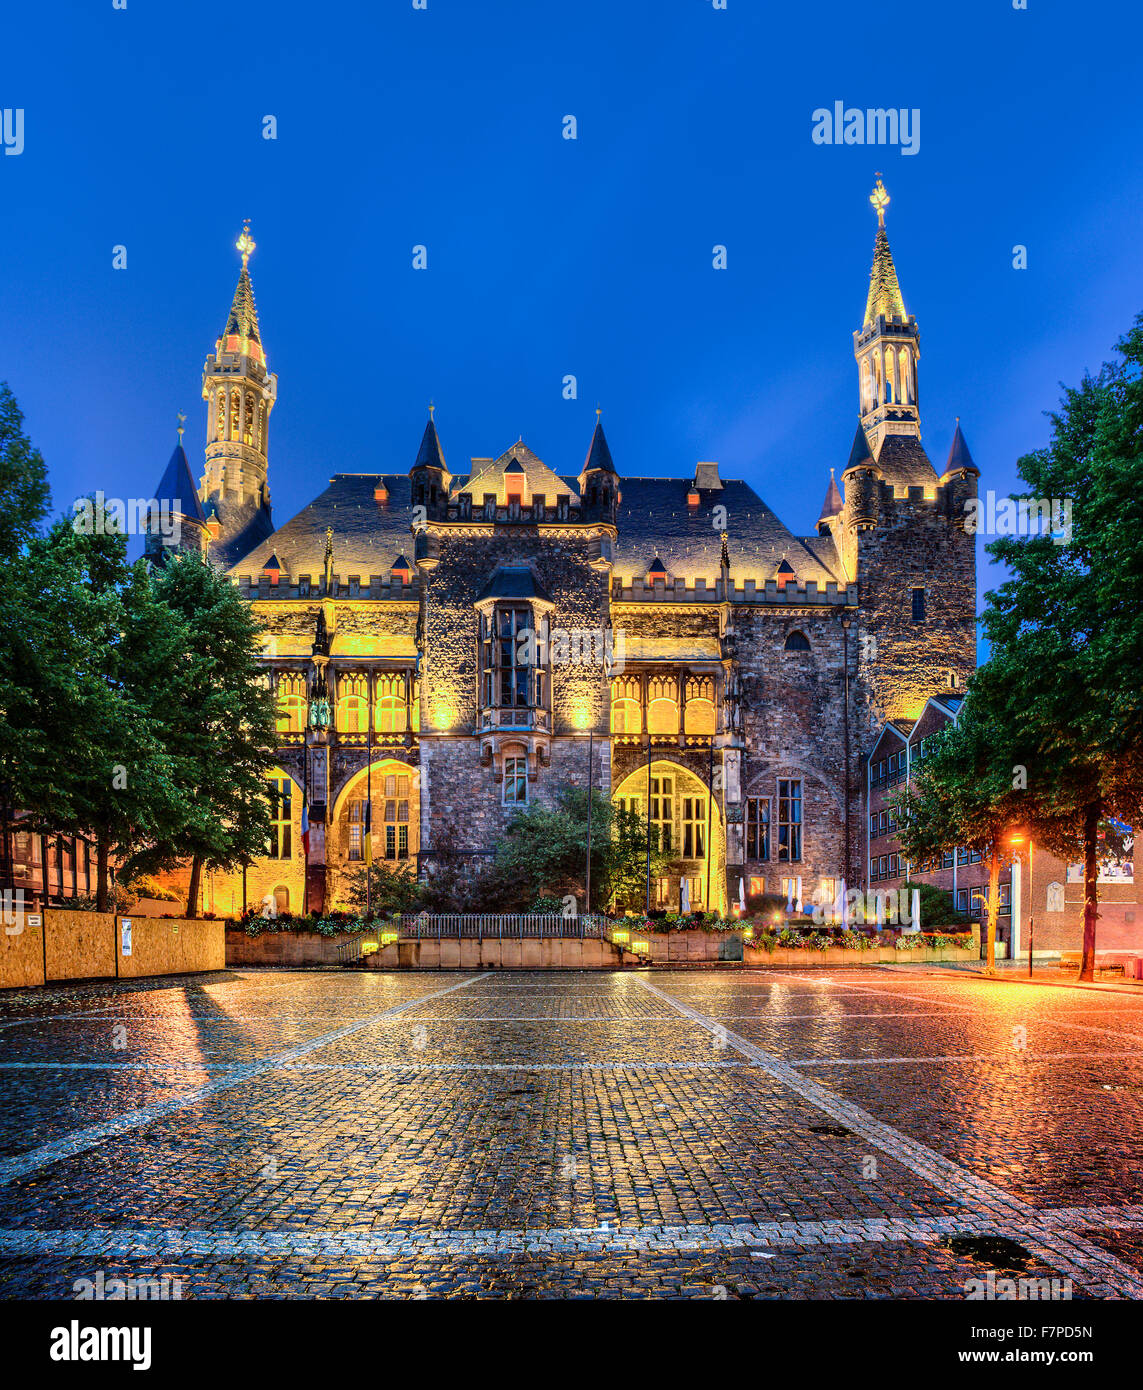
x=235, y=411
x=220, y=419
x=262, y=427
x=248, y=422
x=918, y=605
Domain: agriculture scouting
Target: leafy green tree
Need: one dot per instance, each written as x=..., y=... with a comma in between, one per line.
x=1066, y=627
x=963, y=795
x=544, y=851
x=24, y=502
x=217, y=717
x=391, y=888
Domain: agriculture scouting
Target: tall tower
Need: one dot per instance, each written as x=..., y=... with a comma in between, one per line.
x=887, y=346
x=239, y=393
x=900, y=529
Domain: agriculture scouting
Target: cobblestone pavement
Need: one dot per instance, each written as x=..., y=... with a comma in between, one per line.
x=689, y=1134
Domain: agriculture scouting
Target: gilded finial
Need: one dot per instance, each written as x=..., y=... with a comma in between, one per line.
x=598, y=411
x=245, y=242
x=880, y=200
x=182, y=425
x=432, y=409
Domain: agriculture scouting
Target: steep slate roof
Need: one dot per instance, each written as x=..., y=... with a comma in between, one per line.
x=654, y=519
x=430, y=454
x=860, y=451
x=177, y=486
x=833, y=503
x=367, y=537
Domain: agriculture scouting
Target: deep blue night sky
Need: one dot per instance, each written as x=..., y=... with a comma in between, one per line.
x=546, y=257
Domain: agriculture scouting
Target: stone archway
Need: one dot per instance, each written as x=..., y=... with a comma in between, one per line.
x=392, y=789
x=690, y=809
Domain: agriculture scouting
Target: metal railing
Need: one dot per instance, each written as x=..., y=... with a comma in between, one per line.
x=513, y=926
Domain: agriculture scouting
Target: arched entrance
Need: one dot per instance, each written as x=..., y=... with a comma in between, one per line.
x=689, y=827
x=392, y=791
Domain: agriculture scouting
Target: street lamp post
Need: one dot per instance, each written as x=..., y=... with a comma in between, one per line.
x=1016, y=839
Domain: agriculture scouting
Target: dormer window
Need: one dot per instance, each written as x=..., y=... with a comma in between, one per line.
x=784, y=574
x=656, y=571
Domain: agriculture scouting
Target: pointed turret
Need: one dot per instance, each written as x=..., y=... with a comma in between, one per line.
x=429, y=474
x=239, y=393
x=178, y=522
x=960, y=458
x=832, y=504
x=598, y=480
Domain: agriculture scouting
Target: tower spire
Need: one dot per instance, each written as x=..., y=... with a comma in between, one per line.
x=240, y=393
x=887, y=346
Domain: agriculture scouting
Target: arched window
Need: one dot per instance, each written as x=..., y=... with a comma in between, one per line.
x=352, y=705
x=248, y=421
x=626, y=709
x=866, y=387
x=261, y=442
x=890, y=376
x=662, y=706
x=797, y=642
x=906, y=388
x=390, y=714
x=235, y=412
x=220, y=417
x=877, y=372
x=291, y=704
x=698, y=712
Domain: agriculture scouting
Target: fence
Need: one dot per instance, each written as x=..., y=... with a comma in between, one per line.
x=500, y=926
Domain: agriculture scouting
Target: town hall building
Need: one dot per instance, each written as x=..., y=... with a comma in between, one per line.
x=455, y=643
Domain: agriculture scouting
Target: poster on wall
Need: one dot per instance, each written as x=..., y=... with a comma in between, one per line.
x=1116, y=856
x=125, y=935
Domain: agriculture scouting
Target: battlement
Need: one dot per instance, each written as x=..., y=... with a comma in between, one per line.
x=376, y=587
x=749, y=592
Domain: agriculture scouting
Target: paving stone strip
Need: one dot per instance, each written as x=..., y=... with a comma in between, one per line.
x=82, y=1140
x=1073, y=1255
x=170, y=1243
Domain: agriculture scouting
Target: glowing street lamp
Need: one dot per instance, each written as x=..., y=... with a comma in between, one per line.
x=1016, y=840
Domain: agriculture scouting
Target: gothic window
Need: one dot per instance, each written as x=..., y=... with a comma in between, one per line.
x=694, y=827
x=291, y=703
x=626, y=708
x=789, y=820
x=512, y=652
x=395, y=816
x=663, y=811
x=797, y=642
x=352, y=705
x=758, y=827
x=906, y=388
x=699, y=707
x=662, y=705
x=866, y=387
x=235, y=411
x=261, y=442
x=220, y=417
x=516, y=779
x=248, y=421
x=890, y=376
x=279, y=846
x=390, y=711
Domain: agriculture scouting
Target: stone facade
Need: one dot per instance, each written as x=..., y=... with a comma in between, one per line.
x=454, y=645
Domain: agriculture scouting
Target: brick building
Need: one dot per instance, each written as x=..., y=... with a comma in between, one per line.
x=455, y=644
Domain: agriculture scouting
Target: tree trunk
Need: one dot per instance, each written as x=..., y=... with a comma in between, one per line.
x=101, y=855
x=1090, y=889
x=192, y=891
x=993, y=908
